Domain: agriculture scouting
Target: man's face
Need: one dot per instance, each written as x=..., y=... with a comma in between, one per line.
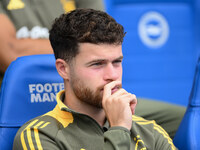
x=93, y=68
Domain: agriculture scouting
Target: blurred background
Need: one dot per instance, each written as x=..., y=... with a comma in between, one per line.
x=160, y=47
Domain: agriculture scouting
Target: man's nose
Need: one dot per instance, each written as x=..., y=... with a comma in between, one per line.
x=111, y=73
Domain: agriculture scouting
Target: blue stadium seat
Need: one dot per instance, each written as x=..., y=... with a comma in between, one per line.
x=28, y=90
x=188, y=134
x=159, y=47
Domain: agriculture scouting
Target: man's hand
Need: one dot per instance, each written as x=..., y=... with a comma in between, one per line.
x=119, y=105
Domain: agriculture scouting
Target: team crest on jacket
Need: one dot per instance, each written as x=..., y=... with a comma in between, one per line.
x=139, y=144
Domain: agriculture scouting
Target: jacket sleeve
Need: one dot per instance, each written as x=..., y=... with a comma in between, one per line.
x=117, y=138
x=162, y=139
x=32, y=136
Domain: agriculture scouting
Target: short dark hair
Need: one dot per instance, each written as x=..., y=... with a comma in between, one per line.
x=83, y=26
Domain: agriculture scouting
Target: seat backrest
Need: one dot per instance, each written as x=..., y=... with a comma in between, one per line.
x=188, y=135
x=28, y=90
x=159, y=54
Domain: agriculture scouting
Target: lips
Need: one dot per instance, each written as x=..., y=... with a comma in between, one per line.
x=116, y=88
x=113, y=90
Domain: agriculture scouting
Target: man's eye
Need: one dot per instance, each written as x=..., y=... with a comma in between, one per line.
x=97, y=64
x=117, y=61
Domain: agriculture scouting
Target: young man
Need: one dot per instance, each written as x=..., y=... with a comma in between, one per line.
x=94, y=112
x=25, y=32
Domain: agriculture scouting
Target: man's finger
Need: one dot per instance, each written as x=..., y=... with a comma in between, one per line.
x=108, y=88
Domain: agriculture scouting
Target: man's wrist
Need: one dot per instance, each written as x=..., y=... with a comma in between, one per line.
x=119, y=128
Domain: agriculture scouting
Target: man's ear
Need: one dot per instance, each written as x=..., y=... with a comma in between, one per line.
x=62, y=68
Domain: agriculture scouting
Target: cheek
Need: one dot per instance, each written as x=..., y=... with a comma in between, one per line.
x=91, y=73
x=119, y=70
x=91, y=77
x=118, y=73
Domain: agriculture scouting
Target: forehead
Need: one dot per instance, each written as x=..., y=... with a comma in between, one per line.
x=99, y=51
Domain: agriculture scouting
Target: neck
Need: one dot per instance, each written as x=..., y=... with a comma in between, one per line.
x=75, y=104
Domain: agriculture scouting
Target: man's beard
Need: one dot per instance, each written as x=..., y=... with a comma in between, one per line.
x=85, y=94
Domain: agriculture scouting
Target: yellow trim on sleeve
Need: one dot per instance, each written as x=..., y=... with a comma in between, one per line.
x=46, y=124
x=136, y=118
x=167, y=137
x=33, y=125
x=37, y=139
x=145, y=123
x=23, y=141
x=142, y=121
x=22, y=134
x=30, y=142
x=160, y=128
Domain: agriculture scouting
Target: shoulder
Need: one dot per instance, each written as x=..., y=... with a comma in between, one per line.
x=45, y=126
x=152, y=132
x=45, y=123
x=143, y=122
x=144, y=126
x=150, y=125
x=43, y=130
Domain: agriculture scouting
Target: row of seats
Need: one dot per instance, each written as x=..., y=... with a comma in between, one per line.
x=160, y=51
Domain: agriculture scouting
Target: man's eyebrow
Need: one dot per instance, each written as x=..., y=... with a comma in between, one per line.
x=96, y=61
x=103, y=60
x=119, y=58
